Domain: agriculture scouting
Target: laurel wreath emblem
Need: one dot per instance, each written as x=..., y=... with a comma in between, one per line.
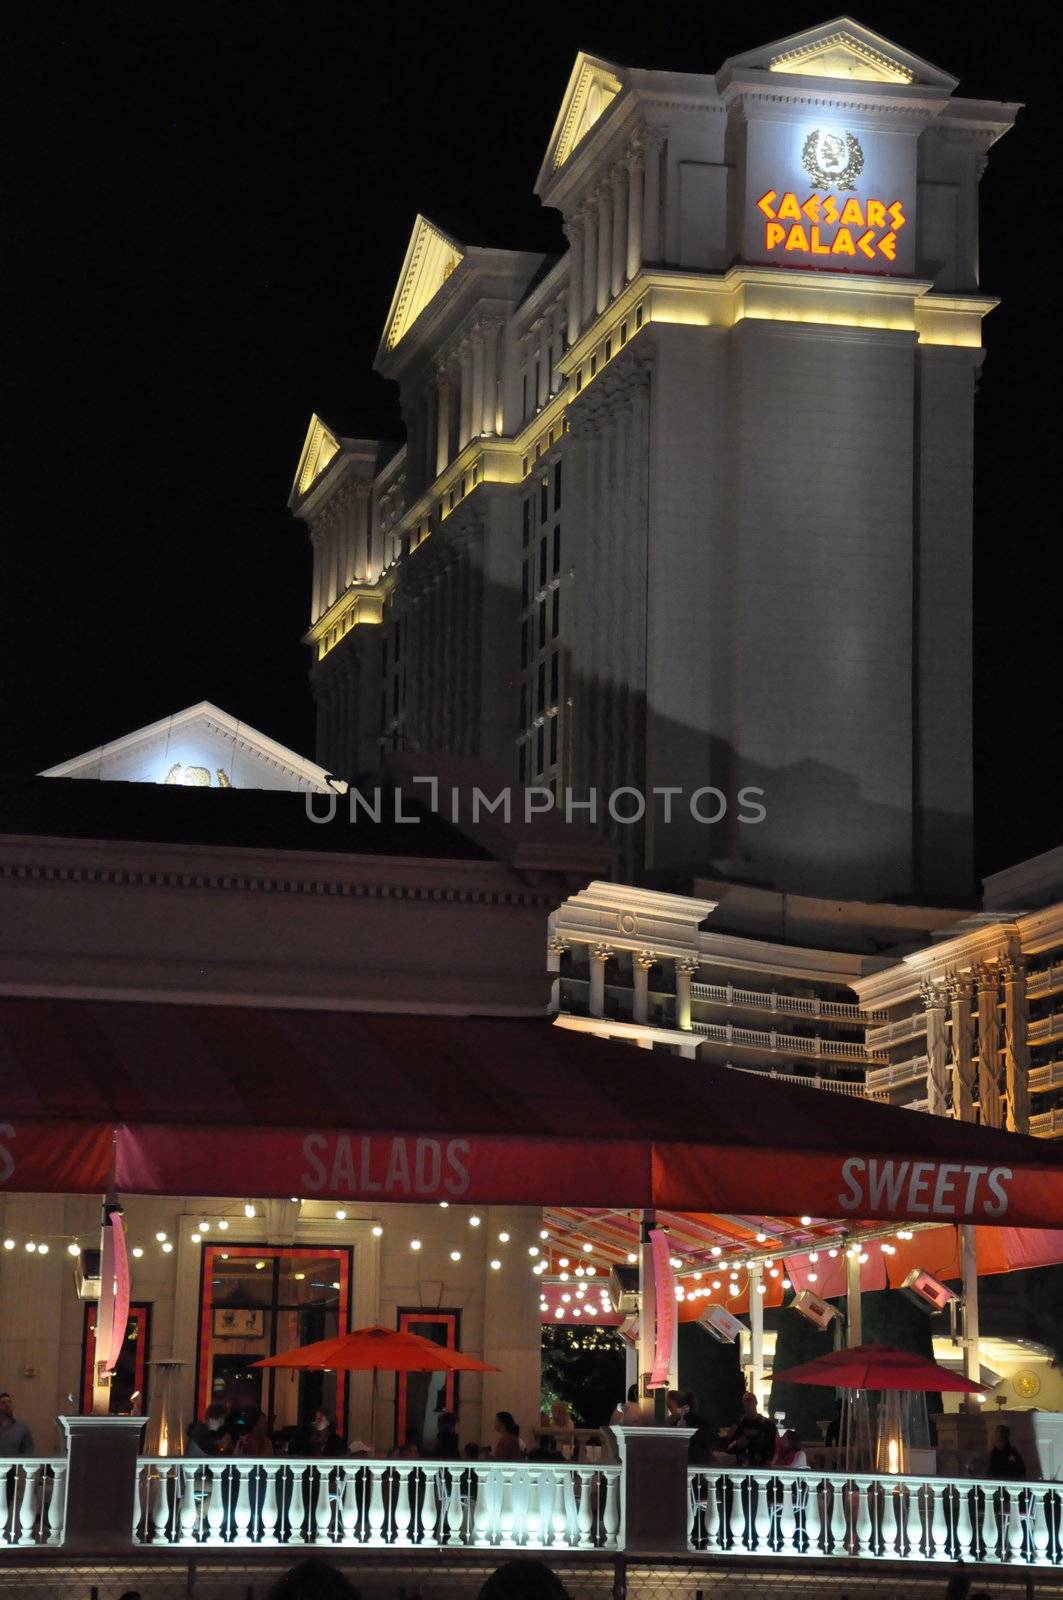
x=846, y=179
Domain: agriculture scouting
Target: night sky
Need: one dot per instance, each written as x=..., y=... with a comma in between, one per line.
x=206, y=209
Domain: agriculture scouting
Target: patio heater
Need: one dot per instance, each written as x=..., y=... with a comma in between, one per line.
x=165, y=1433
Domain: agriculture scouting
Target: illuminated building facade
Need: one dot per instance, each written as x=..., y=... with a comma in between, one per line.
x=691, y=504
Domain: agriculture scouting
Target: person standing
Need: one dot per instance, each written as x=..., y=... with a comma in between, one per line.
x=207, y=1438
x=15, y=1437
x=752, y=1439
x=1004, y=1460
x=447, y=1445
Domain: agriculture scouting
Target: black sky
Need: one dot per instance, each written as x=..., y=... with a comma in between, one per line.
x=206, y=210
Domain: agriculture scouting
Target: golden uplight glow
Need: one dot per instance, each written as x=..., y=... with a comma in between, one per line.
x=842, y=55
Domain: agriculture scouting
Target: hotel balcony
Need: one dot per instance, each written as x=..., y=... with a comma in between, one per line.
x=1045, y=1030
x=912, y=1027
x=726, y=994
x=790, y=1044
x=881, y=1080
x=1049, y=980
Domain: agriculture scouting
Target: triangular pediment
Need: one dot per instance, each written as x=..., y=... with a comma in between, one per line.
x=201, y=747
x=844, y=51
x=431, y=258
x=320, y=448
x=593, y=85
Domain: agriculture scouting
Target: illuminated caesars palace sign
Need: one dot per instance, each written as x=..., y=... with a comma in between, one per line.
x=824, y=195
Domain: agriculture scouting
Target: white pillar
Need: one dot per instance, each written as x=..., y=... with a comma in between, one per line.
x=990, y=1109
x=477, y=412
x=963, y=1084
x=634, y=162
x=489, y=408
x=935, y=999
x=972, y=1356
x=605, y=245
x=1016, y=1049
x=542, y=334
x=641, y=963
x=618, y=250
x=854, y=1333
x=651, y=218
x=756, y=1324
x=442, y=420
x=574, y=235
x=590, y=262
x=647, y=1315
x=465, y=414
x=599, y=955
x=685, y=968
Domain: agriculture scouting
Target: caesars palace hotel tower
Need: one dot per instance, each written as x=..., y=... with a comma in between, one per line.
x=689, y=505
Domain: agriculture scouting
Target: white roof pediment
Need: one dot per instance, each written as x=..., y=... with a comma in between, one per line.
x=844, y=51
x=592, y=87
x=320, y=448
x=430, y=259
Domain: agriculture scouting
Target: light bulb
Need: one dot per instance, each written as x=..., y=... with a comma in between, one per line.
x=806, y=1222
x=160, y=1237
x=588, y=1247
x=444, y=1205
x=455, y=1255
x=566, y=1298
x=376, y=1230
x=73, y=1249
x=716, y=1251
x=716, y=1286
x=30, y=1246
x=223, y=1224
x=196, y=1237
x=562, y=1261
x=474, y=1222
x=260, y=1266
x=503, y=1237
x=42, y=1249
x=563, y=1276
x=544, y=1233
x=496, y=1265
x=592, y=1272
x=786, y=1283
x=167, y=1247
x=137, y=1251
x=833, y=1254
x=559, y=1312
x=576, y=1311
x=299, y=1276
x=533, y=1249
x=761, y=1288
x=631, y=1258
x=341, y=1215
x=9, y=1244
x=204, y=1227
x=415, y=1244
x=295, y=1199
x=762, y=1238
x=813, y=1255
x=813, y=1277
x=249, y=1210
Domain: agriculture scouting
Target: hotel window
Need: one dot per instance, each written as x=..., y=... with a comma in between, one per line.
x=608, y=348
x=553, y=741
x=524, y=643
x=579, y=379
x=542, y=561
x=555, y=620
x=553, y=678
x=544, y=499
x=638, y=317
x=524, y=585
x=462, y=489
x=522, y=762
x=594, y=365
x=623, y=333
x=557, y=486
x=526, y=513
x=523, y=706
x=557, y=548
x=540, y=747
x=542, y=623
x=258, y=1301
x=540, y=697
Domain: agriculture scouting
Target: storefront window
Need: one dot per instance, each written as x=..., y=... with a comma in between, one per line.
x=264, y=1301
x=421, y=1396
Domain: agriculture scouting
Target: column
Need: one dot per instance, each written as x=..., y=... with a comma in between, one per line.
x=641, y=962
x=1016, y=1049
x=651, y=218
x=489, y=410
x=574, y=235
x=634, y=161
x=618, y=250
x=972, y=1358
x=963, y=1077
x=652, y=1405
x=935, y=998
x=541, y=334
x=599, y=954
x=685, y=968
x=512, y=1327
x=590, y=261
x=465, y=414
x=477, y=411
x=442, y=420
x=989, y=1103
x=605, y=245
x=854, y=1333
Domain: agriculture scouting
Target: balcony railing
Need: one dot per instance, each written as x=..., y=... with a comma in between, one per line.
x=1047, y=1124
x=856, y=1091
x=810, y=1514
x=1047, y=1076
x=726, y=994
x=880, y=1080
x=1042, y=1030
x=32, y=1501
x=791, y=1044
x=1045, y=981
x=377, y=1504
x=896, y=1032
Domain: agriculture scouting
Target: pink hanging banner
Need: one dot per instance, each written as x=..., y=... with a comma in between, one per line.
x=120, y=1315
x=665, y=1305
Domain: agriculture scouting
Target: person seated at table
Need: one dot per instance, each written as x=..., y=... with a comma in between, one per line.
x=322, y=1438
x=408, y=1450
x=752, y=1439
x=507, y=1443
x=1004, y=1460
x=789, y=1452
x=256, y=1441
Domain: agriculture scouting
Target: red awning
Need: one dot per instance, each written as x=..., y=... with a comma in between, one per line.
x=367, y=1106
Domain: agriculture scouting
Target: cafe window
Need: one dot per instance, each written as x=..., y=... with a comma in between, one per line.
x=258, y=1301
x=420, y=1397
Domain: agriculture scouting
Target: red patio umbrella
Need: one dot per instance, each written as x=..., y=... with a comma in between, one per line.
x=879, y=1366
x=376, y=1350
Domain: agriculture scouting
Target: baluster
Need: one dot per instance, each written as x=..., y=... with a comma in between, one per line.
x=762, y=1513
x=428, y=1509
x=892, y=1523
x=376, y=1505
x=6, y=1533
x=862, y=1520
x=533, y=1526
x=611, y=1519
x=787, y=1518
x=738, y=1514
x=1015, y=1540
x=216, y=1504
x=964, y=1525
x=480, y=1486
x=322, y=1508
x=586, y=1509
x=990, y=1524
x=160, y=1511
x=242, y=1514
x=936, y=1526
x=816, y=1540
x=56, y=1505
x=505, y=1510
x=547, y=1501
x=296, y=1508
x=915, y=1494
x=568, y=1485
x=347, y=1501
x=1039, y=1502
x=402, y=1505
x=269, y=1503
x=837, y=1515
x=27, y=1511
x=187, y=1513
x=455, y=1510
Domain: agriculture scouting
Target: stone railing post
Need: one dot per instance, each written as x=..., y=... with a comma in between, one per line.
x=102, y=1457
x=654, y=1461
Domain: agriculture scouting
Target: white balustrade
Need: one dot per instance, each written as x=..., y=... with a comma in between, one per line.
x=376, y=1504
x=32, y=1500
x=811, y=1515
x=727, y=994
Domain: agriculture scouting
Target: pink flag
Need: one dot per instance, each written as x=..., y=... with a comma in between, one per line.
x=120, y=1317
x=665, y=1304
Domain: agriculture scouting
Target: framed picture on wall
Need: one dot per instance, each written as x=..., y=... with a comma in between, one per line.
x=239, y=1322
